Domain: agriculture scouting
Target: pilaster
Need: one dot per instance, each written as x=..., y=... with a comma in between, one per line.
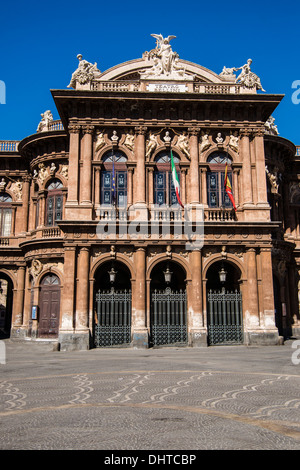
x=139, y=327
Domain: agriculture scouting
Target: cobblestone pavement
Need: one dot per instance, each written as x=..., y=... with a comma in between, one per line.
x=229, y=397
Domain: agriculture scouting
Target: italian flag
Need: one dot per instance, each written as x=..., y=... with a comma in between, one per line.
x=228, y=188
x=175, y=180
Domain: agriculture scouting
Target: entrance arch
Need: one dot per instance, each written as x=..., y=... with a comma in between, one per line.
x=6, y=301
x=224, y=305
x=49, y=306
x=168, y=308
x=112, y=305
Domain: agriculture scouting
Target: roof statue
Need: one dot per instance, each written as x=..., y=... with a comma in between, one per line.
x=165, y=62
x=45, y=121
x=270, y=126
x=247, y=78
x=85, y=73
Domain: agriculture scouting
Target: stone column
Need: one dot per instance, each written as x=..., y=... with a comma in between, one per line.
x=86, y=171
x=194, y=167
x=250, y=297
x=183, y=185
x=18, y=304
x=25, y=205
x=271, y=332
x=260, y=168
x=97, y=187
x=197, y=332
x=82, y=296
x=247, y=176
x=204, y=186
x=151, y=185
x=130, y=186
x=140, y=176
x=68, y=299
x=139, y=329
x=73, y=170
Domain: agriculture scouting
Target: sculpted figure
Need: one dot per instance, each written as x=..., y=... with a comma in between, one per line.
x=204, y=142
x=46, y=119
x=151, y=145
x=234, y=142
x=270, y=127
x=100, y=141
x=219, y=138
x=84, y=73
x=129, y=140
x=183, y=144
x=114, y=137
x=248, y=78
x=167, y=138
x=164, y=52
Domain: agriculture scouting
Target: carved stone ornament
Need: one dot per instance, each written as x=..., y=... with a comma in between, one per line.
x=36, y=268
x=234, y=142
x=151, y=145
x=44, y=125
x=273, y=178
x=43, y=173
x=100, y=141
x=16, y=188
x=52, y=169
x=84, y=74
x=166, y=64
x=129, y=141
x=247, y=78
x=114, y=138
x=2, y=184
x=183, y=144
x=64, y=171
x=205, y=143
x=270, y=127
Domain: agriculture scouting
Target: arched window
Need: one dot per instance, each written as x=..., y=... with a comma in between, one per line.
x=54, y=202
x=5, y=214
x=216, y=194
x=164, y=191
x=114, y=179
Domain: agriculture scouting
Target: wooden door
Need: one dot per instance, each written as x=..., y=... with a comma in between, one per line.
x=49, y=306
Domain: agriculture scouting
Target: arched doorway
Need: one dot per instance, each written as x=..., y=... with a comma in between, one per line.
x=168, y=311
x=112, y=305
x=6, y=300
x=49, y=306
x=224, y=304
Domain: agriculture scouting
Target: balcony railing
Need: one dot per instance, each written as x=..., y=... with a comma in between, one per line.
x=9, y=145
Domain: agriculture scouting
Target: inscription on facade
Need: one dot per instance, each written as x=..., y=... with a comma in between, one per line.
x=167, y=87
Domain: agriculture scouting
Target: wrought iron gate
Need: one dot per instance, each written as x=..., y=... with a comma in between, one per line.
x=168, y=317
x=113, y=318
x=225, y=317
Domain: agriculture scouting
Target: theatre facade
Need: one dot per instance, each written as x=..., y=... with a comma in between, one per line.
x=161, y=209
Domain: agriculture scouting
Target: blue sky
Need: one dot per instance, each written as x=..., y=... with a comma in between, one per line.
x=40, y=42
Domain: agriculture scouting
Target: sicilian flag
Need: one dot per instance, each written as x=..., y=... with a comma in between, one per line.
x=228, y=188
x=175, y=180
x=113, y=186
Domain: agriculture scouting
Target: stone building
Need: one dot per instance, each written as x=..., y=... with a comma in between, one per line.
x=116, y=225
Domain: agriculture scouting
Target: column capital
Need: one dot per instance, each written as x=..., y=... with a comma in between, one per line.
x=258, y=132
x=245, y=132
x=74, y=128
x=88, y=129
x=194, y=131
x=140, y=130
